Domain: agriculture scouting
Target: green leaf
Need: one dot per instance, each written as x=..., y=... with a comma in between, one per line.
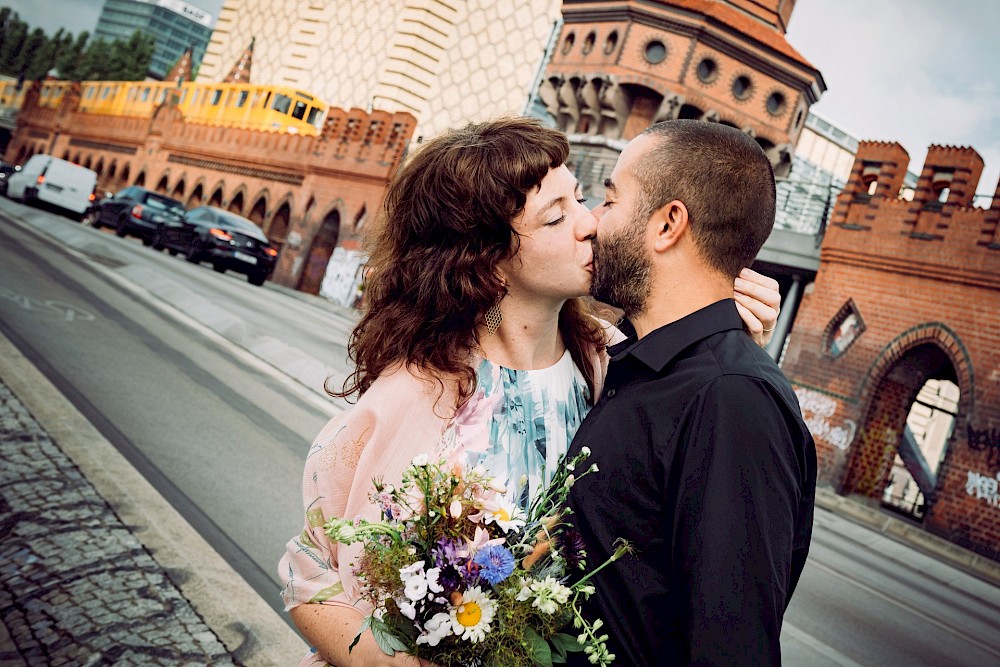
x=540, y=651
x=386, y=639
x=364, y=626
x=559, y=653
x=568, y=643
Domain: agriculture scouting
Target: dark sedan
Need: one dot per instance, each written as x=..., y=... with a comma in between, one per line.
x=226, y=240
x=138, y=212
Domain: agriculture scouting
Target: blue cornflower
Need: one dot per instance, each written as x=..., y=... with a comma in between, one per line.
x=496, y=563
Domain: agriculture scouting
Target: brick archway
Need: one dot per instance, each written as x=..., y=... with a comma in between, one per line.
x=320, y=250
x=926, y=352
x=217, y=196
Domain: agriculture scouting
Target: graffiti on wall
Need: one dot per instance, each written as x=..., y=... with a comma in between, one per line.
x=817, y=412
x=344, y=278
x=984, y=487
x=986, y=440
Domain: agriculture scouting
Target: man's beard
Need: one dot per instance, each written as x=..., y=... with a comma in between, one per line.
x=622, y=269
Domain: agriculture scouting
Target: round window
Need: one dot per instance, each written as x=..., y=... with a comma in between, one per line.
x=742, y=87
x=588, y=43
x=656, y=52
x=708, y=69
x=611, y=43
x=568, y=42
x=776, y=104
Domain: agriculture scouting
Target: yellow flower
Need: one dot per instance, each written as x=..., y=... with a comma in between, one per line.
x=472, y=618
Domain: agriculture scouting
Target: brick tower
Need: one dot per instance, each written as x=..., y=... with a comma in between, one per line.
x=621, y=65
x=907, y=296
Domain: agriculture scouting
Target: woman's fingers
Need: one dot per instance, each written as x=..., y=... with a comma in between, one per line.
x=758, y=302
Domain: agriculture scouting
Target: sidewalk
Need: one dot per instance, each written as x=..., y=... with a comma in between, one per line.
x=96, y=568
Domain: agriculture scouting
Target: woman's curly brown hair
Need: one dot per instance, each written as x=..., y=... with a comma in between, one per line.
x=444, y=226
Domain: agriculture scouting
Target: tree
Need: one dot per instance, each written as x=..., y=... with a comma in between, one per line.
x=97, y=61
x=14, y=35
x=129, y=60
x=70, y=61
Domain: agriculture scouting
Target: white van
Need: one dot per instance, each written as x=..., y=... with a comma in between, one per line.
x=48, y=179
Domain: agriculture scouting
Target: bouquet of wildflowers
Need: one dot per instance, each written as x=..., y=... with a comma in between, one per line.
x=461, y=577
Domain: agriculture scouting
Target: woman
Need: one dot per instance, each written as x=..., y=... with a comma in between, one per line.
x=477, y=268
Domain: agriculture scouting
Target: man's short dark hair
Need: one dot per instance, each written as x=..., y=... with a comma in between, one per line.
x=725, y=180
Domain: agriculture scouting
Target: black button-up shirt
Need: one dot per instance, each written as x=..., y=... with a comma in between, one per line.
x=707, y=469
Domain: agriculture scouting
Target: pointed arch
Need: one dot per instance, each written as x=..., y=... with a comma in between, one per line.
x=179, y=187
x=258, y=211
x=65, y=155
x=321, y=248
x=140, y=180
x=76, y=159
x=277, y=228
x=99, y=167
x=217, y=195
x=238, y=201
x=197, y=196
x=163, y=184
x=125, y=172
x=113, y=170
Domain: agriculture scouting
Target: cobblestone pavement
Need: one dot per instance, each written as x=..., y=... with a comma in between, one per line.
x=76, y=586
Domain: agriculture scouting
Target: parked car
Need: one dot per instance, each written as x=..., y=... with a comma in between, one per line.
x=138, y=212
x=54, y=181
x=228, y=241
x=6, y=170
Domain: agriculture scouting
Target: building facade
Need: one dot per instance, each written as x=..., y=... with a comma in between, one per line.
x=176, y=25
x=447, y=63
x=894, y=354
x=311, y=195
x=621, y=65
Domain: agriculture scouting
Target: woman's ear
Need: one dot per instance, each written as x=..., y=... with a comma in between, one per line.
x=670, y=223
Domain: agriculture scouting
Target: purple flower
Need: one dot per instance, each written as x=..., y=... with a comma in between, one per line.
x=496, y=563
x=572, y=548
x=446, y=552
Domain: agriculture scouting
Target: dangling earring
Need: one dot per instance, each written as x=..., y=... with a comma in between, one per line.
x=493, y=317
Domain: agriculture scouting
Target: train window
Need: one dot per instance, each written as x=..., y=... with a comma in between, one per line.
x=105, y=92
x=256, y=98
x=90, y=92
x=299, y=111
x=281, y=103
x=216, y=96
x=184, y=94
x=242, y=99
x=267, y=98
x=194, y=98
x=145, y=94
x=313, y=116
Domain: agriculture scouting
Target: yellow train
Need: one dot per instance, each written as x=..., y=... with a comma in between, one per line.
x=274, y=108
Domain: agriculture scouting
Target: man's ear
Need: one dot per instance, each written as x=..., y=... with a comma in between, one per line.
x=670, y=223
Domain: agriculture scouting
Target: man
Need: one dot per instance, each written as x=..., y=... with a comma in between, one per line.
x=706, y=466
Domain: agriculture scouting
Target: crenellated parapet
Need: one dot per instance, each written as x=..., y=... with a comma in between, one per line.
x=937, y=233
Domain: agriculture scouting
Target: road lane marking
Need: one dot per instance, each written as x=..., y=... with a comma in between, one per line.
x=59, y=309
x=906, y=607
x=825, y=650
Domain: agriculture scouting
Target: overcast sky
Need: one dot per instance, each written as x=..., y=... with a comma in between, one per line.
x=919, y=72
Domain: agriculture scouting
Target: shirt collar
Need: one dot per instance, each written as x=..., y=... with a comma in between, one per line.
x=659, y=347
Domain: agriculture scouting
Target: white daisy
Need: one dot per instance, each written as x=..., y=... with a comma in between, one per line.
x=471, y=619
x=507, y=515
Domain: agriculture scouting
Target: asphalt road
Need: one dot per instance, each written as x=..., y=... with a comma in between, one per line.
x=142, y=343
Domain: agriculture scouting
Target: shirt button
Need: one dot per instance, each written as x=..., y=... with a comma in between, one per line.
x=610, y=393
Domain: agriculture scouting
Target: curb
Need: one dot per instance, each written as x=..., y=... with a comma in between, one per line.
x=253, y=633
x=901, y=531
